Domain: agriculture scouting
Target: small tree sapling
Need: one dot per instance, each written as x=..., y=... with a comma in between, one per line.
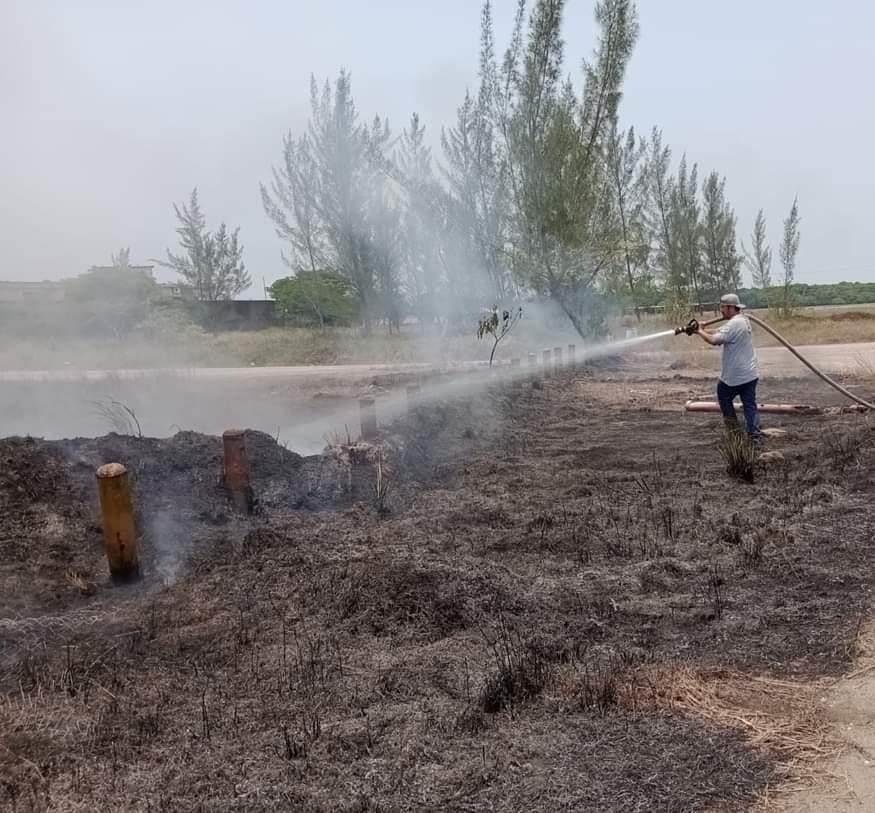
x=497, y=326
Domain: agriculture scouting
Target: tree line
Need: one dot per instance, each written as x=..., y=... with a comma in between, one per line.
x=537, y=190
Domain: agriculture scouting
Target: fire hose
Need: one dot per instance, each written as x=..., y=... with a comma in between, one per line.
x=693, y=326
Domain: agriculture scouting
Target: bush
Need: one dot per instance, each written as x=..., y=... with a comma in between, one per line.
x=740, y=455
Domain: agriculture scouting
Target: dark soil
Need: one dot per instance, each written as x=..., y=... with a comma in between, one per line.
x=468, y=641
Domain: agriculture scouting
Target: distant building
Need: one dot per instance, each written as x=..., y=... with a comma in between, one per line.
x=26, y=292
x=145, y=269
x=177, y=290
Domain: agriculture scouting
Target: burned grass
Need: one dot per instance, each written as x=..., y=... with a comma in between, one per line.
x=568, y=605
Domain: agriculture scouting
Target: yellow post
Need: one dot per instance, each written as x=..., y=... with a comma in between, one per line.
x=119, y=531
x=237, y=470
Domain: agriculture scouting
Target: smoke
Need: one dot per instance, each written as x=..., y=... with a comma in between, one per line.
x=169, y=542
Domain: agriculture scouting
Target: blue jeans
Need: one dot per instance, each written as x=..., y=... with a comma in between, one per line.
x=748, y=392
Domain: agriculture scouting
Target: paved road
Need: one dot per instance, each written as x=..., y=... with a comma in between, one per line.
x=833, y=358
x=775, y=361
x=304, y=371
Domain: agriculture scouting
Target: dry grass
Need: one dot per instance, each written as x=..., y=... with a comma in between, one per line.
x=805, y=329
x=537, y=628
x=304, y=346
x=740, y=455
x=828, y=325
x=777, y=716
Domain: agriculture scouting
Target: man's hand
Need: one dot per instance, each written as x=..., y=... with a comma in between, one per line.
x=707, y=336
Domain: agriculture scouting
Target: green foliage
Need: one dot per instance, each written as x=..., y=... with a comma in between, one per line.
x=809, y=296
x=110, y=301
x=722, y=270
x=122, y=259
x=211, y=262
x=420, y=224
x=539, y=190
x=686, y=226
x=759, y=258
x=788, y=251
x=628, y=172
x=333, y=206
x=497, y=326
x=477, y=174
x=317, y=297
x=563, y=228
x=662, y=220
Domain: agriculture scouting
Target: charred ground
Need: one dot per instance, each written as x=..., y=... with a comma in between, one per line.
x=526, y=618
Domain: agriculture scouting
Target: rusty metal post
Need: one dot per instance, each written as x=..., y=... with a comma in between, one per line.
x=119, y=530
x=412, y=397
x=368, y=413
x=572, y=350
x=557, y=358
x=237, y=471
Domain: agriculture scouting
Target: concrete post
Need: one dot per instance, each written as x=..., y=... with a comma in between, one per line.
x=368, y=412
x=547, y=362
x=572, y=350
x=412, y=397
x=557, y=358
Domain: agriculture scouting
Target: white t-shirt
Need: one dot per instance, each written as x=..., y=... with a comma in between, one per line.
x=739, y=357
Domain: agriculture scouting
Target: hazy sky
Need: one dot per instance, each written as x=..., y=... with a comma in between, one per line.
x=110, y=111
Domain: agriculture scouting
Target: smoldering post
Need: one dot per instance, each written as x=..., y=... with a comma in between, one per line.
x=119, y=528
x=368, y=413
x=557, y=358
x=572, y=351
x=237, y=471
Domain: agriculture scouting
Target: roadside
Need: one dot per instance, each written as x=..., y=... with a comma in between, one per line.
x=848, y=359
x=848, y=783
x=177, y=344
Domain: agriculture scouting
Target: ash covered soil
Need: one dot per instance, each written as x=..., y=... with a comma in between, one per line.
x=547, y=597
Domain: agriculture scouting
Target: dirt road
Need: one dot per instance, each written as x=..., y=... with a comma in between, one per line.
x=775, y=362
x=849, y=705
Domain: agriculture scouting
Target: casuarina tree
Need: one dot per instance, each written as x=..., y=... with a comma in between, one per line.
x=210, y=262
x=759, y=258
x=331, y=205
x=788, y=251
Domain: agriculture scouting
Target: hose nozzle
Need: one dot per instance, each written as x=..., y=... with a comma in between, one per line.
x=690, y=328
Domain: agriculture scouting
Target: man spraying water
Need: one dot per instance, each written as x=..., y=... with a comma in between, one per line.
x=739, y=373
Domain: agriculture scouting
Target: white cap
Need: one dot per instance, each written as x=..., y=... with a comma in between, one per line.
x=731, y=299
